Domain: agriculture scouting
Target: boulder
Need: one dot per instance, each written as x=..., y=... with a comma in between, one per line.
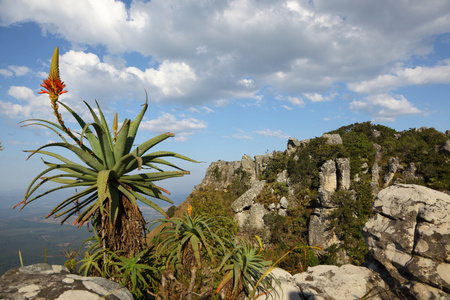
x=285, y=289
x=347, y=282
x=246, y=199
x=410, y=236
x=333, y=139
x=393, y=166
x=44, y=281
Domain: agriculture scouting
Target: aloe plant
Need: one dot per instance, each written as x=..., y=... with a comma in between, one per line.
x=244, y=268
x=109, y=191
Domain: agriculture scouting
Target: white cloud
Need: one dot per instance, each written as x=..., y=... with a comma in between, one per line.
x=419, y=75
x=211, y=58
x=20, y=92
x=384, y=107
x=20, y=70
x=272, y=133
x=296, y=101
x=315, y=97
x=169, y=123
x=6, y=73
x=242, y=135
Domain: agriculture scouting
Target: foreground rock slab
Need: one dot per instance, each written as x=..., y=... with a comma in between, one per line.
x=43, y=281
x=410, y=237
x=327, y=282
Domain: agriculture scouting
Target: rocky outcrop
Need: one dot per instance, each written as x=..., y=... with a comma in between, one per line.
x=445, y=148
x=220, y=174
x=339, y=283
x=334, y=175
x=43, y=281
x=394, y=166
x=410, y=237
x=328, y=283
x=246, y=200
x=333, y=139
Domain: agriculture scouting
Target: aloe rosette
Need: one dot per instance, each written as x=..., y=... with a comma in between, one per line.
x=109, y=187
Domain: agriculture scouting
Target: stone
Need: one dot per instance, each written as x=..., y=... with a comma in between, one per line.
x=376, y=133
x=245, y=201
x=410, y=173
x=285, y=289
x=319, y=231
x=282, y=177
x=249, y=166
x=445, y=148
x=333, y=139
x=343, y=173
x=272, y=206
x=219, y=175
x=44, y=281
x=261, y=162
x=339, y=283
x=410, y=236
x=327, y=176
x=393, y=166
x=284, y=203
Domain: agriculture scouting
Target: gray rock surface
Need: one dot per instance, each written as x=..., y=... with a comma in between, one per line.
x=246, y=200
x=333, y=139
x=393, y=167
x=410, y=237
x=43, y=281
x=343, y=173
x=347, y=282
x=445, y=148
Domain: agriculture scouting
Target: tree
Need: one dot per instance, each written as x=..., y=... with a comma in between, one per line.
x=109, y=193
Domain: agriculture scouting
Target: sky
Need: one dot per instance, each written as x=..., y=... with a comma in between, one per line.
x=229, y=78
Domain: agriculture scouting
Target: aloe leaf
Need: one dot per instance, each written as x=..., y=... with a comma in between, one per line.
x=105, y=127
x=48, y=127
x=105, y=145
x=146, y=201
x=28, y=193
x=155, y=176
x=144, y=147
x=147, y=189
x=134, y=126
x=84, y=156
x=75, y=196
x=76, y=209
x=90, y=136
x=121, y=140
x=74, y=169
x=121, y=166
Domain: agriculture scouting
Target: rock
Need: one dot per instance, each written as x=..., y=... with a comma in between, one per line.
x=328, y=177
x=378, y=152
x=284, y=203
x=249, y=166
x=43, y=281
x=376, y=133
x=261, y=162
x=272, y=206
x=410, y=173
x=447, y=133
x=445, y=148
x=410, y=237
x=282, y=177
x=393, y=167
x=341, y=283
x=219, y=174
x=333, y=139
x=286, y=289
x=343, y=173
x=319, y=232
x=246, y=199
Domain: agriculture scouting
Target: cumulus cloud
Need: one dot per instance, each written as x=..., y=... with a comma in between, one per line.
x=233, y=49
x=169, y=123
x=273, y=133
x=419, y=75
x=385, y=107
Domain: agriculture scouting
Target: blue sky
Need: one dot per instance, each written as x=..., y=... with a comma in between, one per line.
x=228, y=77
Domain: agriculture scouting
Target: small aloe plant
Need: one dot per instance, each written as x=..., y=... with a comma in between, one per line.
x=108, y=190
